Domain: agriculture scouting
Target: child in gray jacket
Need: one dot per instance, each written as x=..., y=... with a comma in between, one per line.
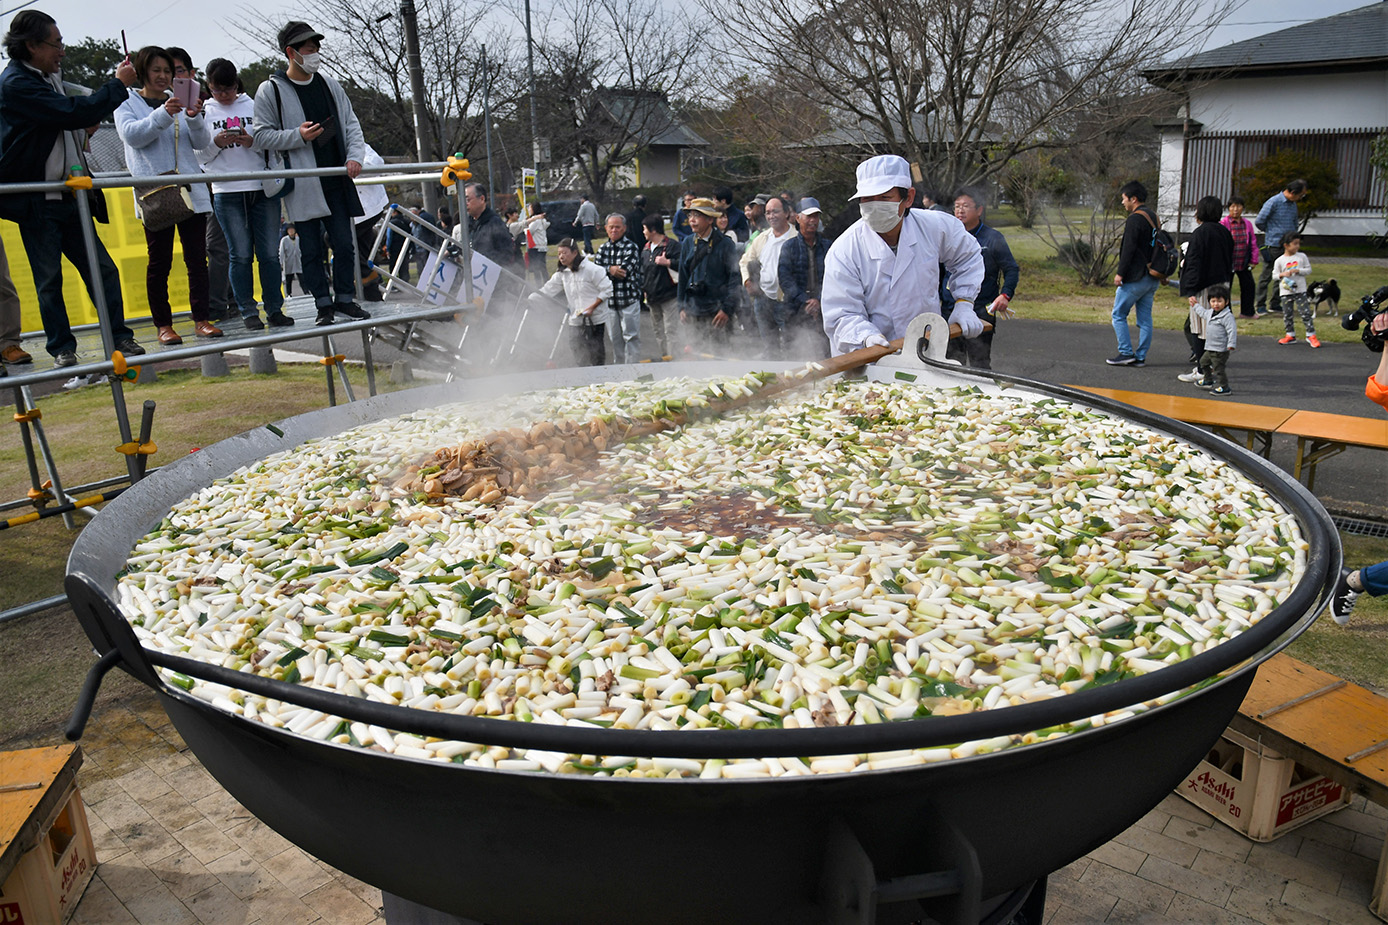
x=1221, y=335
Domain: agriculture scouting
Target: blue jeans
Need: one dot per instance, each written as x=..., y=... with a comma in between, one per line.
x=1134, y=295
x=1374, y=578
x=626, y=333
x=251, y=224
x=56, y=235
x=343, y=240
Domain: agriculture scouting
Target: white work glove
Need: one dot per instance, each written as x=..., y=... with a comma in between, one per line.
x=963, y=315
x=876, y=340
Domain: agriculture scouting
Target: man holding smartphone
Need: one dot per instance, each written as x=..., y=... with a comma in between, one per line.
x=307, y=115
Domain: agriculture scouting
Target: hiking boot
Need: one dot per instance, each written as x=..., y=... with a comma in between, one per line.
x=15, y=355
x=1343, y=598
x=1123, y=359
x=253, y=323
x=1313, y=340
x=351, y=310
x=279, y=320
x=1287, y=339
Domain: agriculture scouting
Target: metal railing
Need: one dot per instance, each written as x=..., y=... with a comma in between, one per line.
x=116, y=367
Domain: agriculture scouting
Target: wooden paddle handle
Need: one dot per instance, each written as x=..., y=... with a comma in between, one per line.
x=865, y=355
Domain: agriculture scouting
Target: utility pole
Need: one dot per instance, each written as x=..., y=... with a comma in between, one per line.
x=487, y=122
x=424, y=145
x=534, y=120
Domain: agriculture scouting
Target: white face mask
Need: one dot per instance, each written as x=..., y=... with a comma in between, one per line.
x=880, y=216
x=310, y=62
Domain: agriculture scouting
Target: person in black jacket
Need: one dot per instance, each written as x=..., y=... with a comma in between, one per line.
x=659, y=258
x=487, y=233
x=41, y=139
x=710, y=279
x=1135, y=286
x=636, y=221
x=1209, y=261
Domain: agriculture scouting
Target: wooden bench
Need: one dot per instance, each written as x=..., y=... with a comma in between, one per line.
x=1328, y=725
x=46, y=852
x=1320, y=436
x=1257, y=422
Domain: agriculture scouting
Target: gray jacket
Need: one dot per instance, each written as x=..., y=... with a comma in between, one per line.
x=1221, y=332
x=274, y=132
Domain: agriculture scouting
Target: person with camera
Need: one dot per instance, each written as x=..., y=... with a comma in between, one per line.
x=1369, y=579
x=709, y=276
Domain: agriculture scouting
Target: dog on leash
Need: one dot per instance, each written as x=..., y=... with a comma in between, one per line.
x=1323, y=292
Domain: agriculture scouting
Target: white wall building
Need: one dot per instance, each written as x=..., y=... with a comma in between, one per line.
x=1321, y=87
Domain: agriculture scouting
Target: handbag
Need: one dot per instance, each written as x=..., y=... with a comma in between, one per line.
x=277, y=187
x=165, y=206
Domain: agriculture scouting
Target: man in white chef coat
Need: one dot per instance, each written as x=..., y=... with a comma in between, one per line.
x=885, y=270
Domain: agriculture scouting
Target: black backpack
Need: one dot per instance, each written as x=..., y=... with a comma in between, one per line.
x=1166, y=257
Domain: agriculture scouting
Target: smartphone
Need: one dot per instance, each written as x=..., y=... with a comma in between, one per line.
x=328, y=122
x=186, y=90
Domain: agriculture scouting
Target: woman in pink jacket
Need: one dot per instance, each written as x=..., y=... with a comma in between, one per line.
x=1245, y=254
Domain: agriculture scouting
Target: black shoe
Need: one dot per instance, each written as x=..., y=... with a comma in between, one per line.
x=1342, y=601
x=64, y=359
x=1138, y=362
x=129, y=347
x=253, y=323
x=1123, y=359
x=325, y=317
x=279, y=320
x=351, y=310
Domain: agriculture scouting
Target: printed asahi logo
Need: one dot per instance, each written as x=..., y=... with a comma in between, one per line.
x=1222, y=790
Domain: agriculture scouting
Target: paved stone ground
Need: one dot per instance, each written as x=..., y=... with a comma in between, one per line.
x=175, y=849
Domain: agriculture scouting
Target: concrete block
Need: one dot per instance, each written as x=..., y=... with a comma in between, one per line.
x=214, y=366
x=263, y=360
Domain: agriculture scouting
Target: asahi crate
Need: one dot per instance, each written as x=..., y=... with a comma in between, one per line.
x=47, y=883
x=1251, y=788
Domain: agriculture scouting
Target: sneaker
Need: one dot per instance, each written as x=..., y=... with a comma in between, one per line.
x=1221, y=390
x=279, y=320
x=76, y=382
x=1287, y=339
x=351, y=310
x=1204, y=384
x=1343, y=598
x=1313, y=340
x=1195, y=375
x=325, y=317
x=64, y=359
x=130, y=348
x=253, y=323
x=1123, y=359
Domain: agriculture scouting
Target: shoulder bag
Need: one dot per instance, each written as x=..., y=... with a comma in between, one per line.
x=165, y=206
x=277, y=187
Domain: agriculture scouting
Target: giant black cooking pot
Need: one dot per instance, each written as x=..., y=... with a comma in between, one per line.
x=512, y=847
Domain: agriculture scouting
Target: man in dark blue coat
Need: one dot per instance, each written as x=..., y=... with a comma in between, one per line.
x=709, y=276
x=41, y=140
x=1000, y=273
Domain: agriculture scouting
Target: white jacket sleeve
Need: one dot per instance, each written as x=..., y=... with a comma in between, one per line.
x=844, y=301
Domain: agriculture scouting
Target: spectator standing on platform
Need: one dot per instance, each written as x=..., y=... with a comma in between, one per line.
x=1246, y=255
x=659, y=258
x=291, y=258
x=41, y=136
x=160, y=137
x=307, y=114
x=708, y=277
x=636, y=232
x=487, y=231
x=802, y=280
x=247, y=219
x=1134, y=286
x=537, y=241
x=1000, y=272
x=1277, y=218
x=621, y=260
x=587, y=291
x=11, y=324
x=761, y=269
x=1208, y=262
x=1290, y=270
x=587, y=219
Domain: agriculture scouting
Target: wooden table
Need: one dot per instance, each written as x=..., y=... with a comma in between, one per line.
x=33, y=783
x=1258, y=422
x=1320, y=436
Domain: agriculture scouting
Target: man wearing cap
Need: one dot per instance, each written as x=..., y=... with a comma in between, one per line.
x=307, y=114
x=761, y=267
x=801, y=273
x=885, y=269
x=708, y=274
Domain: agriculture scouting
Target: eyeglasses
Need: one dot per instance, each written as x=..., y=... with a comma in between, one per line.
x=58, y=45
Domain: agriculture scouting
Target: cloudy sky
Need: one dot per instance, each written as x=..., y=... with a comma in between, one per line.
x=208, y=30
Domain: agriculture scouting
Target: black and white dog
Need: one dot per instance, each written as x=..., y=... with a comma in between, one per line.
x=1324, y=291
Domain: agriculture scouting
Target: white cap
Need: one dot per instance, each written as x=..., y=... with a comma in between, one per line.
x=884, y=172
